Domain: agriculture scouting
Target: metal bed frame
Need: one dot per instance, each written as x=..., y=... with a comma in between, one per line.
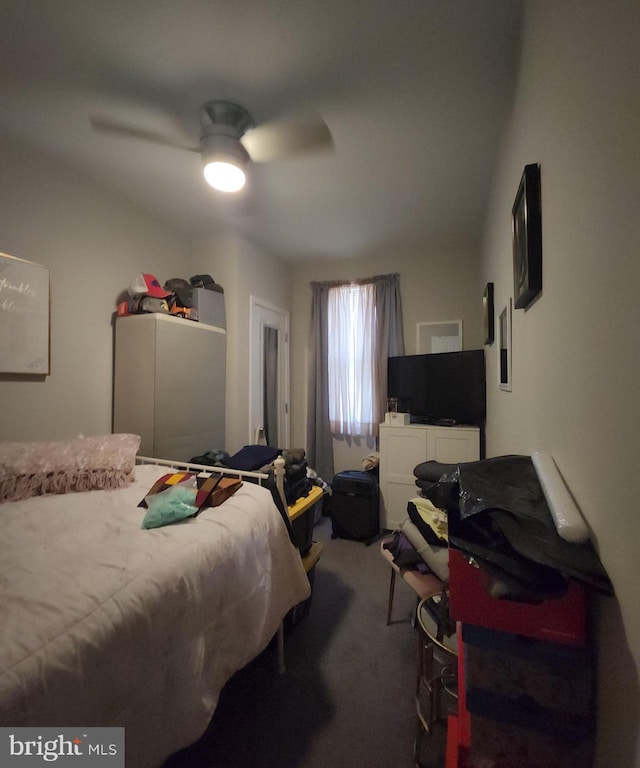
x=258, y=477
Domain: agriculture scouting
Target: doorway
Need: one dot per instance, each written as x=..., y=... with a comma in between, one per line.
x=269, y=375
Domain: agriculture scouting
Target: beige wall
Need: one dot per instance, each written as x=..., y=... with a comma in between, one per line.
x=244, y=270
x=436, y=282
x=93, y=243
x=575, y=354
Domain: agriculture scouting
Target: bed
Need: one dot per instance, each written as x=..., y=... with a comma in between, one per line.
x=105, y=623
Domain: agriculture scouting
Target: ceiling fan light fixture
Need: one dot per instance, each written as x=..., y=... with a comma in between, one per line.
x=224, y=176
x=225, y=162
x=229, y=140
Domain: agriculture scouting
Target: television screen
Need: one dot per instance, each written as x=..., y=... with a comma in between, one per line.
x=447, y=387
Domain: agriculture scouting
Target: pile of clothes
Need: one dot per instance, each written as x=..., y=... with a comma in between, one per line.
x=494, y=511
x=421, y=541
x=299, y=478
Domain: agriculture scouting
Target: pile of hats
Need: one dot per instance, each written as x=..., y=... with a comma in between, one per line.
x=174, y=298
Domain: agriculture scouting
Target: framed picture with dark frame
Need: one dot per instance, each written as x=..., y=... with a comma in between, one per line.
x=527, y=238
x=487, y=314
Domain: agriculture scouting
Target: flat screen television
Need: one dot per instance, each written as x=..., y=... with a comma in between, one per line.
x=443, y=388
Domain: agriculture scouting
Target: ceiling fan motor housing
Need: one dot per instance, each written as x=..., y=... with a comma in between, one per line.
x=224, y=117
x=221, y=148
x=223, y=124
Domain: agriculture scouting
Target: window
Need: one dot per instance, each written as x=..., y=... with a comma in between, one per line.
x=351, y=359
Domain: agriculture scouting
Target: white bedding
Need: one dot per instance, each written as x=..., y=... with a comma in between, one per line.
x=104, y=623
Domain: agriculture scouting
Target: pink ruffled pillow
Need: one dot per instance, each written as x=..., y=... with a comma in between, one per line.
x=83, y=464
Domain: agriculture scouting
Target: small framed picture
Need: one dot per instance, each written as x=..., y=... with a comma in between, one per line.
x=487, y=314
x=526, y=218
x=443, y=336
x=504, y=351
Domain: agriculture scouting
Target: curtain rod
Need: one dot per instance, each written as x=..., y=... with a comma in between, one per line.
x=355, y=281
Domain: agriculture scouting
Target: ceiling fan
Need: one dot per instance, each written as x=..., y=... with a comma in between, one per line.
x=229, y=140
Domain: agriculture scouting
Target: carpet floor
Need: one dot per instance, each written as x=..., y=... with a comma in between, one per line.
x=346, y=699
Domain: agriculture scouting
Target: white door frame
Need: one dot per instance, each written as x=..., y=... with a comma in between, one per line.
x=259, y=310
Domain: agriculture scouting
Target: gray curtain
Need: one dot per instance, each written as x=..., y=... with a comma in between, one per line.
x=389, y=336
x=319, y=439
x=389, y=341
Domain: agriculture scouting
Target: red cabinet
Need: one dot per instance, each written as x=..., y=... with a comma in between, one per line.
x=560, y=621
x=525, y=678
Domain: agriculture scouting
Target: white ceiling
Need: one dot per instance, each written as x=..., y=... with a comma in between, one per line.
x=415, y=92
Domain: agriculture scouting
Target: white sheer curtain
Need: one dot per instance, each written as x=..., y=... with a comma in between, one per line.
x=371, y=338
x=353, y=380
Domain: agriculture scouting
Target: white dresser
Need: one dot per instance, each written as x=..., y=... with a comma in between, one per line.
x=169, y=384
x=403, y=447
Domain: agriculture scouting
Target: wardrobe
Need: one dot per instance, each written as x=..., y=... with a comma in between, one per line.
x=169, y=384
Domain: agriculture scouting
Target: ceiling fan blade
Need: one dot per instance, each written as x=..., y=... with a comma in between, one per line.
x=276, y=140
x=108, y=125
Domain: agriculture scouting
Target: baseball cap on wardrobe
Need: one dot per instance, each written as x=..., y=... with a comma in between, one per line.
x=148, y=284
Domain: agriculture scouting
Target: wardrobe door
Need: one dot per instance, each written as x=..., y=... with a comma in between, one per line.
x=190, y=389
x=134, y=379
